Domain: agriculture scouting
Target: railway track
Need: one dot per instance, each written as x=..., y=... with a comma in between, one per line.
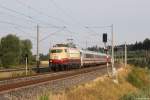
x=35, y=80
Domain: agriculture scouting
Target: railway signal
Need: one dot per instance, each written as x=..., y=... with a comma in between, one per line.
x=105, y=37
x=105, y=49
x=112, y=47
x=105, y=41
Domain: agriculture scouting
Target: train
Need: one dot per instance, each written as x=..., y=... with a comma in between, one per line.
x=63, y=57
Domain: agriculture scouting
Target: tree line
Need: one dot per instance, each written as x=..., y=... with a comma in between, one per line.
x=145, y=45
x=13, y=51
x=95, y=48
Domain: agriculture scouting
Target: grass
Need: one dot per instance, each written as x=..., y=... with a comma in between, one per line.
x=143, y=94
x=44, y=97
x=134, y=83
x=102, y=88
x=139, y=77
x=22, y=74
x=7, y=75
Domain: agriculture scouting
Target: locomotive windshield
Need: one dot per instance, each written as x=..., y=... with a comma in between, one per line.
x=56, y=51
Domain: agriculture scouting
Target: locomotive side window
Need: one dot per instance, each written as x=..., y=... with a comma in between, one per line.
x=89, y=56
x=56, y=51
x=65, y=50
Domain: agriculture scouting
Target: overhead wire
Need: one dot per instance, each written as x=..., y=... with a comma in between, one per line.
x=46, y=37
x=14, y=11
x=68, y=15
x=64, y=12
x=14, y=24
x=93, y=31
x=35, y=10
x=76, y=33
x=71, y=33
x=41, y=12
x=27, y=16
x=60, y=8
x=10, y=15
x=90, y=29
x=17, y=28
x=43, y=26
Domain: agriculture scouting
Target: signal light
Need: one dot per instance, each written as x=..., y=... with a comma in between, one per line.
x=104, y=37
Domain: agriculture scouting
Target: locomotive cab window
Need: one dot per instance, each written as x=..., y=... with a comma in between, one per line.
x=56, y=51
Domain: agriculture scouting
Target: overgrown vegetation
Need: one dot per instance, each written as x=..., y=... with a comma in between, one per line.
x=134, y=83
x=45, y=97
x=140, y=78
x=13, y=51
x=143, y=63
x=143, y=94
x=22, y=74
x=100, y=89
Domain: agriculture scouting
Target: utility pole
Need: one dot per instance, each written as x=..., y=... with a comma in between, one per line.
x=125, y=54
x=37, y=56
x=106, y=51
x=114, y=72
x=113, y=68
x=86, y=45
x=122, y=55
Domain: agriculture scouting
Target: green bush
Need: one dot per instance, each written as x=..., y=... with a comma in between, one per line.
x=45, y=97
x=144, y=62
x=129, y=96
x=138, y=77
x=0, y=64
x=143, y=93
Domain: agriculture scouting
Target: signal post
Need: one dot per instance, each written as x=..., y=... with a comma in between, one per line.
x=105, y=49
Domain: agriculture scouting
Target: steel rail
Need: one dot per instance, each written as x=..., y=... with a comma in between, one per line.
x=52, y=77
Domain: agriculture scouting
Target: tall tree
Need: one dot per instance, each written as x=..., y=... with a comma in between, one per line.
x=146, y=44
x=0, y=54
x=10, y=50
x=26, y=47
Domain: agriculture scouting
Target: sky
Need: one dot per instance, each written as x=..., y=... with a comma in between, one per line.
x=81, y=20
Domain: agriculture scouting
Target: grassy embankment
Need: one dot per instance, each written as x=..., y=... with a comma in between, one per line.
x=7, y=75
x=133, y=82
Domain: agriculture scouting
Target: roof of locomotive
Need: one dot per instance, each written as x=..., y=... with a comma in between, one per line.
x=59, y=48
x=63, y=48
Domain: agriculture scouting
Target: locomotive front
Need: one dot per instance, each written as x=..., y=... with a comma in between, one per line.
x=58, y=55
x=62, y=58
